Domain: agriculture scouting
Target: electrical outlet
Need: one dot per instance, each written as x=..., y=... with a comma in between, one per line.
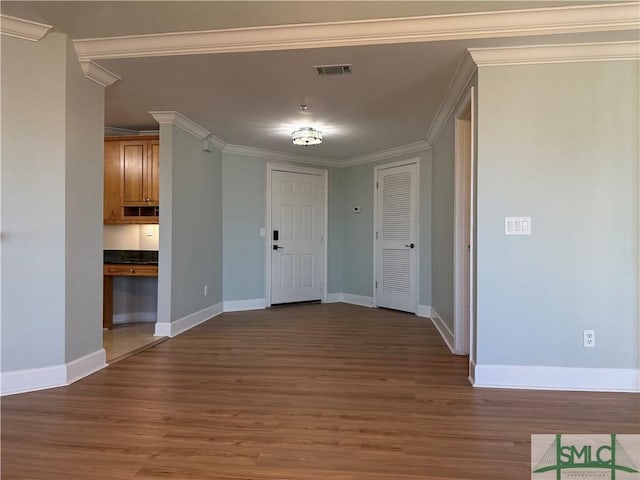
x=263, y=232
x=206, y=288
x=589, y=338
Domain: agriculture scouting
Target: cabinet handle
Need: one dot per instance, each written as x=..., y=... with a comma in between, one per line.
x=131, y=270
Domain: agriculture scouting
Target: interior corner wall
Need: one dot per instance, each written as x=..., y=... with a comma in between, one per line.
x=357, y=228
x=244, y=214
x=559, y=143
x=83, y=210
x=33, y=202
x=190, y=252
x=336, y=215
x=52, y=123
x=442, y=222
x=443, y=218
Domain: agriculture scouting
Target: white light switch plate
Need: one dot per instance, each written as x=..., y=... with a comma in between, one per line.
x=263, y=232
x=517, y=225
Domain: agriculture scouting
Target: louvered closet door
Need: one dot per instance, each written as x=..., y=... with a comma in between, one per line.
x=396, y=245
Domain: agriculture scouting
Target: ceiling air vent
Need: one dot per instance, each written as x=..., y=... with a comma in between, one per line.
x=333, y=69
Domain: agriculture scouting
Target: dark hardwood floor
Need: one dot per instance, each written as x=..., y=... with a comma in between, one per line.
x=313, y=392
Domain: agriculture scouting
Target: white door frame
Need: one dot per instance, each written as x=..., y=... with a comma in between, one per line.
x=269, y=231
x=463, y=329
x=376, y=169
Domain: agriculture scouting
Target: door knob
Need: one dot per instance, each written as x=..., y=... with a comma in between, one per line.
x=411, y=245
x=276, y=247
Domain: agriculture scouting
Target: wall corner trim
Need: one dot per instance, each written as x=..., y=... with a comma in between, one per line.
x=189, y=126
x=424, y=311
x=459, y=84
x=98, y=73
x=83, y=366
x=23, y=29
x=181, y=325
x=443, y=329
x=387, y=154
x=33, y=379
x=539, y=377
x=557, y=53
x=244, y=305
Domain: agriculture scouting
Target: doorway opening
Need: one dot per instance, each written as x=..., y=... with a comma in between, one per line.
x=464, y=272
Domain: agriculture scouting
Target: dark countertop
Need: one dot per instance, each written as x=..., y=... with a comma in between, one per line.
x=137, y=257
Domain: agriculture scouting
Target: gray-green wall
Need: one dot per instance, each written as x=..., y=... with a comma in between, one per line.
x=190, y=251
x=349, y=237
x=52, y=124
x=357, y=184
x=559, y=143
x=244, y=213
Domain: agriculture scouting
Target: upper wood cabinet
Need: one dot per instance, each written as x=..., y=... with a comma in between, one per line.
x=131, y=179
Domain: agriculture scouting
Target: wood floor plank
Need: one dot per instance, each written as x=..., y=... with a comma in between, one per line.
x=314, y=392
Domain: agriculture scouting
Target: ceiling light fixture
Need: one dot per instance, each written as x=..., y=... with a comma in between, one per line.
x=306, y=136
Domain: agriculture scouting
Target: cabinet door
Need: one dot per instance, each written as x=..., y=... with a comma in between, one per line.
x=153, y=172
x=112, y=183
x=133, y=157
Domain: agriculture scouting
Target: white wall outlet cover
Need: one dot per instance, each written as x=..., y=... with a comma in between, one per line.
x=149, y=231
x=589, y=337
x=517, y=225
x=263, y=232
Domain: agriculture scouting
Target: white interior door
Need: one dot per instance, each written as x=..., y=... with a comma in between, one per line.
x=396, y=244
x=297, y=220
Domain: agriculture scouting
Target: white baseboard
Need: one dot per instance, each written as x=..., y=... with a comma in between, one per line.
x=135, y=317
x=472, y=372
x=166, y=329
x=535, y=377
x=443, y=328
x=242, y=305
x=357, y=300
x=33, y=379
x=334, y=297
x=424, y=311
x=83, y=366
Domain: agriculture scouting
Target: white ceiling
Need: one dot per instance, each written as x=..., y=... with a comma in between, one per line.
x=251, y=98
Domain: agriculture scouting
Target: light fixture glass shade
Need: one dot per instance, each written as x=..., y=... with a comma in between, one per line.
x=306, y=136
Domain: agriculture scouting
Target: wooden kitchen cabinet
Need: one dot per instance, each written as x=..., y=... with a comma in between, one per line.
x=131, y=179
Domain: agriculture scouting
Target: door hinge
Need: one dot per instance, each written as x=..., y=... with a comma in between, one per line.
x=376, y=235
x=376, y=283
x=376, y=185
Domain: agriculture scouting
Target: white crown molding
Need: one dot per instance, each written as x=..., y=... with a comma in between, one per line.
x=179, y=120
x=456, y=89
x=23, y=29
x=117, y=131
x=98, y=74
x=509, y=23
x=279, y=156
x=217, y=142
x=386, y=154
x=563, y=53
